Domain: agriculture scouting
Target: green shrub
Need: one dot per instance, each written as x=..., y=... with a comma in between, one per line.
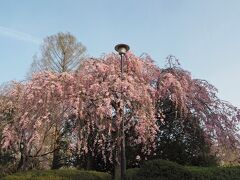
x=166, y=170
x=162, y=170
x=132, y=173
x=215, y=173
x=63, y=174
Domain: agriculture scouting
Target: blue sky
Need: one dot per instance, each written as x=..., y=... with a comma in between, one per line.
x=203, y=34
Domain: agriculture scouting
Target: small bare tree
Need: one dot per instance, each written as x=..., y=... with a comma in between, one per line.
x=59, y=53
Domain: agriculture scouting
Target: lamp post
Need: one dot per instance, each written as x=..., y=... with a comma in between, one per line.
x=122, y=50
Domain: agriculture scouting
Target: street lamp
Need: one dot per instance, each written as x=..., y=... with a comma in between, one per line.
x=122, y=49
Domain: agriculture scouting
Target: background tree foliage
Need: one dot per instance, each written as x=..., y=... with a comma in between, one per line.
x=60, y=52
x=181, y=141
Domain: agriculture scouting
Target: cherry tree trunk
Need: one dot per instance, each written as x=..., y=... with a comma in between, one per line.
x=56, y=164
x=23, y=163
x=117, y=166
x=56, y=160
x=89, y=162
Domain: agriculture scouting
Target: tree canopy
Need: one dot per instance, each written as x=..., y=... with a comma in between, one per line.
x=89, y=103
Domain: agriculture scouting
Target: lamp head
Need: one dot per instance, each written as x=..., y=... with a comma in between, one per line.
x=122, y=48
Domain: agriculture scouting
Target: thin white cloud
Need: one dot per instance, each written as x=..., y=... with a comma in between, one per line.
x=18, y=35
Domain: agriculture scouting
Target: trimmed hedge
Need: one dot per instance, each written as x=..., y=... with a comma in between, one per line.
x=62, y=174
x=160, y=169
x=215, y=173
x=132, y=173
x=166, y=170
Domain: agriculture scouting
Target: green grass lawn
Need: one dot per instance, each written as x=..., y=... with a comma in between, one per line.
x=62, y=174
x=152, y=170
